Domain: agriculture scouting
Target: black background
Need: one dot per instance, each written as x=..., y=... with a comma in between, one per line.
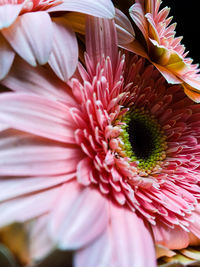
x=187, y=16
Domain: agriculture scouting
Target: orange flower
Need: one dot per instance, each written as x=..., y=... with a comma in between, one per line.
x=162, y=48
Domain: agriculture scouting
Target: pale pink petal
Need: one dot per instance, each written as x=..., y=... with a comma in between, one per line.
x=126, y=242
x=125, y=32
x=24, y=154
x=175, y=238
x=83, y=171
x=101, y=40
x=27, y=207
x=24, y=78
x=80, y=216
x=131, y=239
x=37, y=115
x=7, y=56
x=98, y=253
x=31, y=36
x=98, y=8
x=15, y=186
x=40, y=243
x=64, y=56
x=8, y=14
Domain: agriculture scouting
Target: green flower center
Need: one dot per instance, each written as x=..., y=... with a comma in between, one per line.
x=143, y=141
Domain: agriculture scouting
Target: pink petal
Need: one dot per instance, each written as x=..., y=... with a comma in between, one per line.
x=98, y=253
x=41, y=245
x=27, y=207
x=31, y=43
x=64, y=57
x=101, y=40
x=137, y=14
x=125, y=32
x=126, y=242
x=131, y=240
x=8, y=14
x=24, y=78
x=80, y=216
x=175, y=238
x=24, y=154
x=15, y=187
x=97, y=8
x=83, y=171
x=37, y=115
x=7, y=56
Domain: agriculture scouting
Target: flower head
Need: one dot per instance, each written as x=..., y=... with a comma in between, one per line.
x=161, y=46
x=103, y=157
x=27, y=28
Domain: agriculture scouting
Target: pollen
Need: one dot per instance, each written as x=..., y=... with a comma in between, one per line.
x=143, y=141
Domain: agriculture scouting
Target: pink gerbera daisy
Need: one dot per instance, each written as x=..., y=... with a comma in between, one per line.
x=101, y=161
x=26, y=28
x=162, y=48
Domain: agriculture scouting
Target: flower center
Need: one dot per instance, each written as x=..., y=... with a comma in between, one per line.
x=143, y=141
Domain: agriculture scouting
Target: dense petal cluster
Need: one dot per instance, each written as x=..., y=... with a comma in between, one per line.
x=28, y=29
x=162, y=48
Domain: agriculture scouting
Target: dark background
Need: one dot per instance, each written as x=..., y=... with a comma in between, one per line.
x=187, y=16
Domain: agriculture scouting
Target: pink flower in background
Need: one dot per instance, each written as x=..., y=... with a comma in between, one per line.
x=162, y=48
x=27, y=29
x=102, y=161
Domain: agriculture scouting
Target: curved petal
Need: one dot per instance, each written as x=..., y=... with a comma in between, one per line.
x=8, y=14
x=137, y=14
x=80, y=216
x=25, y=154
x=125, y=32
x=175, y=238
x=97, y=8
x=126, y=242
x=32, y=43
x=24, y=78
x=101, y=40
x=64, y=56
x=7, y=56
x=168, y=75
x=27, y=207
x=37, y=115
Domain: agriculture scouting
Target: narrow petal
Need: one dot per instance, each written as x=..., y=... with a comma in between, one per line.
x=33, y=44
x=101, y=40
x=175, y=238
x=80, y=216
x=125, y=32
x=97, y=8
x=27, y=207
x=7, y=56
x=137, y=14
x=64, y=56
x=24, y=78
x=8, y=14
x=24, y=154
x=37, y=115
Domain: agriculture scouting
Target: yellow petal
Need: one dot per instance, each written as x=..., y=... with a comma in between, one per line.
x=76, y=21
